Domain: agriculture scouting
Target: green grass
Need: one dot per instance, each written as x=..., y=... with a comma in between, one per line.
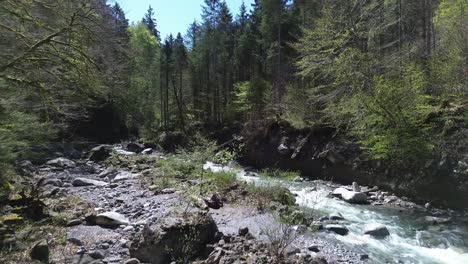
x=279, y=174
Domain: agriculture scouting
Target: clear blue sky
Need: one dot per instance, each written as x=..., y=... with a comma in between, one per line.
x=172, y=16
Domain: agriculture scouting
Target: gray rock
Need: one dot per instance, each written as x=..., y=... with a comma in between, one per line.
x=100, y=153
x=54, y=182
x=75, y=241
x=243, y=231
x=437, y=220
x=124, y=175
x=339, y=191
x=74, y=222
x=356, y=187
x=338, y=229
x=135, y=147
x=132, y=261
x=98, y=254
x=147, y=151
x=335, y=216
x=163, y=240
x=79, y=182
x=111, y=219
x=354, y=197
x=376, y=230
x=111, y=171
x=40, y=252
x=168, y=191
x=61, y=163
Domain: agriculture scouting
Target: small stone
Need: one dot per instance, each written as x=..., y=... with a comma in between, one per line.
x=336, y=216
x=74, y=222
x=40, y=252
x=168, y=191
x=364, y=256
x=97, y=254
x=314, y=248
x=80, y=182
x=75, y=241
x=111, y=219
x=428, y=206
x=243, y=231
x=132, y=261
x=61, y=163
x=128, y=229
x=356, y=187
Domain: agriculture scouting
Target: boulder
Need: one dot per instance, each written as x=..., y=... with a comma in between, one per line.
x=354, y=197
x=79, y=182
x=173, y=236
x=339, y=191
x=338, y=229
x=100, y=153
x=40, y=252
x=111, y=219
x=61, y=163
x=135, y=147
x=376, y=230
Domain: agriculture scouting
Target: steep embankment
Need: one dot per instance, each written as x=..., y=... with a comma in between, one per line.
x=325, y=154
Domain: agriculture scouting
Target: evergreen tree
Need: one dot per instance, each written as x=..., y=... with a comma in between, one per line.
x=150, y=23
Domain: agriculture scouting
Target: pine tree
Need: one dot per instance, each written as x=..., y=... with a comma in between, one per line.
x=150, y=23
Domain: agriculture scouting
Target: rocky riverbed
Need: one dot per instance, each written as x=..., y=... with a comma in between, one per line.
x=113, y=216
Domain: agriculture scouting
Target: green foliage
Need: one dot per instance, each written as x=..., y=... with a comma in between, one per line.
x=142, y=114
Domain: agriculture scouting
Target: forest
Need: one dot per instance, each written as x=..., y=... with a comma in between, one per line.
x=378, y=83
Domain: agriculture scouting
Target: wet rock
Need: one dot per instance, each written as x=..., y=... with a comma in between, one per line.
x=354, y=197
x=314, y=248
x=40, y=252
x=437, y=220
x=80, y=182
x=111, y=219
x=135, y=147
x=147, y=151
x=356, y=187
x=339, y=191
x=376, y=230
x=132, y=261
x=61, y=163
x=364, y=256
x=162, y=241
x=338, y=229
x=74, y=222
x=100, y=153
x=335, y=216
x=428, y=206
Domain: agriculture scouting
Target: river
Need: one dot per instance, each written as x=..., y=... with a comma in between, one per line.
x=412, y=240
